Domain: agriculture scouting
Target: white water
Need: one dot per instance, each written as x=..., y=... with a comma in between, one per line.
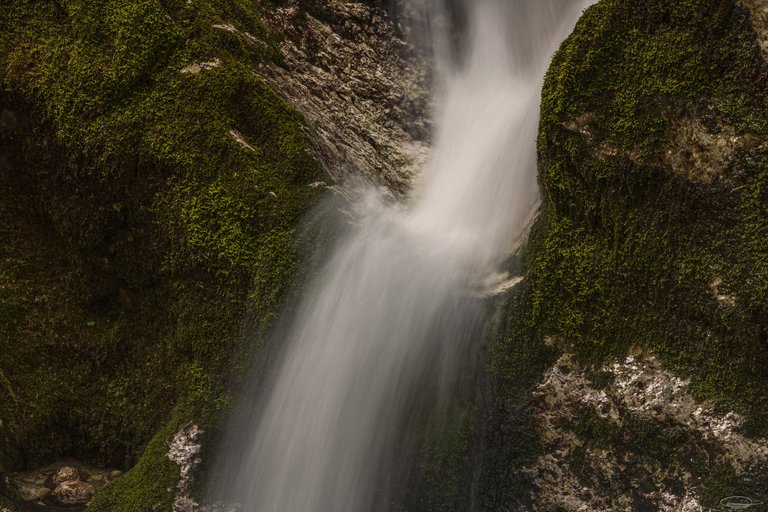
x=394, y=308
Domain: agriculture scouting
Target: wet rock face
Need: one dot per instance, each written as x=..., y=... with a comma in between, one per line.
x=360, y=85
x=631, y=436
x=184, y=450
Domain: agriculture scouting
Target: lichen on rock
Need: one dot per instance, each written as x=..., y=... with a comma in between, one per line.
x=65, y=474
x=641, y=425
x=184, y=450
x=72, y=492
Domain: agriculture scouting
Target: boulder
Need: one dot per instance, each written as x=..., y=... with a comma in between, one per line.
x=65, y=474
x=72, y=492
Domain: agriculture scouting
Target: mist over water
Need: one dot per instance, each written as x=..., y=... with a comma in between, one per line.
x=387, y=320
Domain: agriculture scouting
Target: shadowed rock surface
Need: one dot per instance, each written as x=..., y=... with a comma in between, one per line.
x=361, y=87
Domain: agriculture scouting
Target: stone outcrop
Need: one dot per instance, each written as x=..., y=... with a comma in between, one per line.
x=184, y=450
x=653, y=164
x=65, y=483
x=361, y=87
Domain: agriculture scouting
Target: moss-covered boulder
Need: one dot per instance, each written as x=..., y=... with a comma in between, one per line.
x=150, y=187
x=652, y=242
x=654, y=168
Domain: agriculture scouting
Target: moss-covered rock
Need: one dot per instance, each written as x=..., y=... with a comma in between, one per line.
x=641, y=251
x=653, y=162
x=150, y=187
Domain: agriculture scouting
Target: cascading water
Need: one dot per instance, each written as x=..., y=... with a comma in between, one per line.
x=394, y=307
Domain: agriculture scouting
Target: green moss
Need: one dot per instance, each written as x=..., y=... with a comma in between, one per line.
x=631, y=249
x=601, y=379
x=625, y=252
x=444, y=463
x=656, y=442
x=596, y=431
x=145, y=212
x=149, y=485
x=579, y=465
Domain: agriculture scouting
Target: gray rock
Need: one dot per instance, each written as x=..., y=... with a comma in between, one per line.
x=361, y=87
x=184, y=450
x=73, y=493
x=759, y=10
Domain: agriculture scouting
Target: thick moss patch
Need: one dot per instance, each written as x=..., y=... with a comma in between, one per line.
x=634, y=253
x=629, y=252
x=143, y=212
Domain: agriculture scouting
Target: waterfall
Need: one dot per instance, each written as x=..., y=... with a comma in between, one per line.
x=393, y=309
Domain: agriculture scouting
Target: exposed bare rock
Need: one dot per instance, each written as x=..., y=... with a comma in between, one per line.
x=634, y=441
x=31, y=491
x=241, y=140
x=360, y=88
x=582, y=125
x=65, y=474
x=201, y=66
x=697, y=150
x=701, y=153
x=184, y=450
x=72, y=492
x=725, y=299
